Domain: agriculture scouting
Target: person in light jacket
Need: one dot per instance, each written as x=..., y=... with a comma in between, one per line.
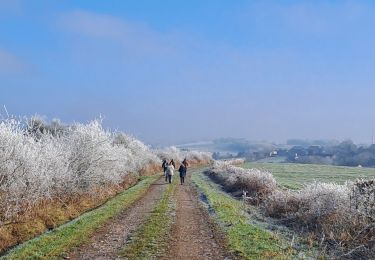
x=169, y=172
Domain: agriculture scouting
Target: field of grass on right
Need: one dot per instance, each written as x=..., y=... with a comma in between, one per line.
x=294, y=176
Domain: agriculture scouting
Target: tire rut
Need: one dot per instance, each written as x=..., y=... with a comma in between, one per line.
x=194, y=235
x=109, y=239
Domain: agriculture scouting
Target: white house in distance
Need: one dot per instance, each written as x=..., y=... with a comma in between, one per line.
x=273, y=153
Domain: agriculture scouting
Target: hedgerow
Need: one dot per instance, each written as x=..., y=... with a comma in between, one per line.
x=50, y=173
x=35, y=167
x=340, y=217
x=193, y=157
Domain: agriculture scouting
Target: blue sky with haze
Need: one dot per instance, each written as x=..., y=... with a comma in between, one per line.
x=175, y=71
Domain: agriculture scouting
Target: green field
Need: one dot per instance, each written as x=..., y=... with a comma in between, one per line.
x=293, y=175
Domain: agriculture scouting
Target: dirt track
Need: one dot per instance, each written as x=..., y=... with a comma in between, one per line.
x=110, y=239
x=193, y=235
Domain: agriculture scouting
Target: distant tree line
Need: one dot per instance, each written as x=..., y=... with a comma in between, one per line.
x=330, y=152
x=345, y=153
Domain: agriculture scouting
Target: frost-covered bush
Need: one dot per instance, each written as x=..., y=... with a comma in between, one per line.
x=196, y=157
x=37, y=165
x=235, y=161
x=38, y=127
x=282, y=203
x=140, y=155
x=343, y=215
x=340, y=213
x=362, y=198
x=193, y=157
x=320, y=201
x=253, y=181
x=27, y=167
x=169, y=153
x=313, y=205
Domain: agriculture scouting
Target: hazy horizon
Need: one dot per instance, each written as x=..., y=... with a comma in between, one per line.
x=173, y=72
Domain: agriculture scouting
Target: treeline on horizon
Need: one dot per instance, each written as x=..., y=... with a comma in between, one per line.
x=330, y=152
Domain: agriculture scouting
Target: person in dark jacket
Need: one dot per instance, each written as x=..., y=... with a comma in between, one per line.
x=164, y=166
x=172, y=162
x=182, y=170
x=185, y=162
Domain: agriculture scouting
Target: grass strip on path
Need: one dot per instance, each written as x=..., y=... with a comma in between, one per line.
x=54, y=244
x=245, y=240
x=150, y=239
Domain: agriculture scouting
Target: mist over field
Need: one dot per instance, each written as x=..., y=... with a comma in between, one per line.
x=172, y=73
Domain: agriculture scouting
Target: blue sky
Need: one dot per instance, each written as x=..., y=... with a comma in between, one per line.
x=175, y=71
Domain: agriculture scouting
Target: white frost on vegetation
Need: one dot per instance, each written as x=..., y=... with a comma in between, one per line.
x=85, y=157
x=345, y=213
x=40, y=162
x=193, y=157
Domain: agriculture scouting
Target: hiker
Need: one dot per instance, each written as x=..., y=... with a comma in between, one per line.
x=169, y=171
x=164, y=166
x=182, y=170
x=172, y=162
x=185, y=162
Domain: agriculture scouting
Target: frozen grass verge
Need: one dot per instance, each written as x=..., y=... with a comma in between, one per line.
x=339, y=218
x=245, y=240
x=61, y=240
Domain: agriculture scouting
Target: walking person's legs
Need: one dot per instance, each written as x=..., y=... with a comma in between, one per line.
x=170, y=178
x=181, y=180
